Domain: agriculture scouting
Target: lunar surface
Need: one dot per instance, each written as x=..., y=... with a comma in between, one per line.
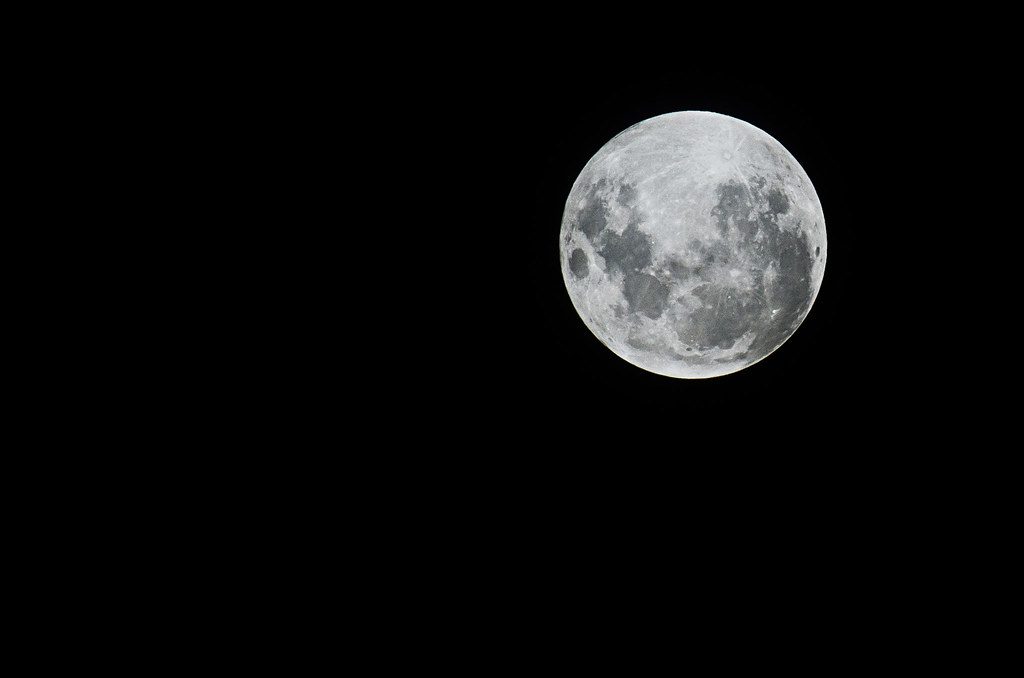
x=693, y=245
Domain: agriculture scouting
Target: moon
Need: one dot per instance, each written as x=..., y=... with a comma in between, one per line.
x=693, y=245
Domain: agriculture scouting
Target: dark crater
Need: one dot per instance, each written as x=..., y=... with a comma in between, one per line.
x=579, y=264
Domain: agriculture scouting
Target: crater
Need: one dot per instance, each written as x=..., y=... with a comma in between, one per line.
x=579, y=264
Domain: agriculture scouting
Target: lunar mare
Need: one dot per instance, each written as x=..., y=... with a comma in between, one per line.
x=693, y=244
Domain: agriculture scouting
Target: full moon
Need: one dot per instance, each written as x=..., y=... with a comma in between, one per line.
x=693, y=245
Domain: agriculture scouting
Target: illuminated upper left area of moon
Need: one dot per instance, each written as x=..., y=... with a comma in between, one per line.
x=693, y=245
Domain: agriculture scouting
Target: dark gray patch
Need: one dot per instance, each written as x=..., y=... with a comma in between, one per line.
x=817, y=251
x=789, y=293
x=677, y=269
x=727, y=314
x=681, y=271
x=718, y=253
x=629, y=252
x=645, y=294
x=579, y=264
x=733, y=207
x=777, y=201
x=627, y=195
x=593, y=218
x=746, y=209
x=618, y=311
x=732, y=196
x=792, y=287
x=739, y=212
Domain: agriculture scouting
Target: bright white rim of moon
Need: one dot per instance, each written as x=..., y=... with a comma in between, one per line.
x=693, y=244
